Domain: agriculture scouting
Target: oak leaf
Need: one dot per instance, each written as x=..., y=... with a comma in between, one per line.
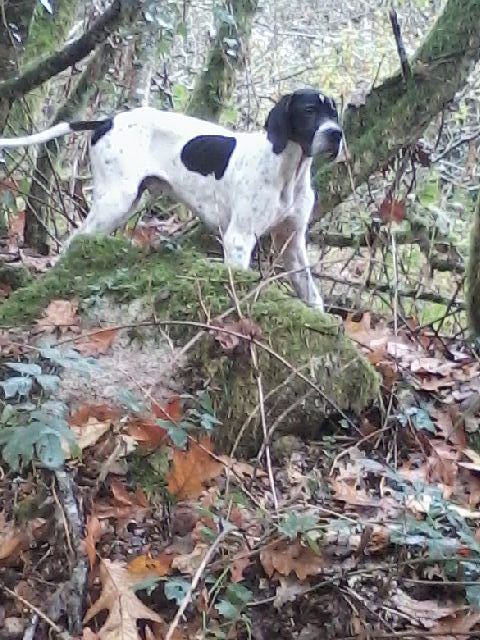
x=119, y=599
x=96, y=344
x=286, y=558
x=60, y=314
x=191, y=469
x=95, y=530
x=145, y=565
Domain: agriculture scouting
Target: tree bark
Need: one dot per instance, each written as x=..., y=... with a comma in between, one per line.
x=38, y=200
x=215, y=86
x=72, y=53
x=12, y=40
x=397, y=112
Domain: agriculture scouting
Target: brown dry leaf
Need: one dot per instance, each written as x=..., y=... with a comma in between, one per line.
x=14, y=540
x=392, y=210
x=171, y=410
x=287, y=591
x=90, y=433
x=145, y=565
x=188, y=563
x=374, y=339
x=286, y=557
x=101, y=412
x=5, y=290
x=191, y=469
x=146, y=431
x=16, y=228
x=239, y=564
x=60, y=314
x=95, y=530
x=456, y=626
x=121, y=602
x=125, y=497
x=97, y=344
x=88, y=634
x=347, y=491
x=424, y=612
x=243, y=327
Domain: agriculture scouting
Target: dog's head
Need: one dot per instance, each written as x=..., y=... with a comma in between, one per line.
x=308, y=118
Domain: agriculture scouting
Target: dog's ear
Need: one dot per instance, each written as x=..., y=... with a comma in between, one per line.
x=278, y=124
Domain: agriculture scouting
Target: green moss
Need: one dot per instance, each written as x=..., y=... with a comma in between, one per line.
x=16, y=277
x=186, y=287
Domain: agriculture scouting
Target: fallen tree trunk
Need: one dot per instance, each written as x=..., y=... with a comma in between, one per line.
x=396, y=113
x=305, y=366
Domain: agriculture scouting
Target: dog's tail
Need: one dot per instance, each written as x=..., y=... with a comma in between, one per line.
x=60, y=129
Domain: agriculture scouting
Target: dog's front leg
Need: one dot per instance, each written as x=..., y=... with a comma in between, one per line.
x=238, y=246
x=292, y=244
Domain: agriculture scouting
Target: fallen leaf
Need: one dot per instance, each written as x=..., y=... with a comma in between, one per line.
x=228, y=338
x=287, y=591
x=456, y=626
x=239, y=564
x=172, y=410
x=425, y=612
x=144, y=565
x=15, y=231
x=14, y=540
x=146, y=431
x=101, y=412
x=90, y=433
x=97, y=344
x=392, y=210
x=124, y=608
x=60, y=314
x=125, y=497
x=95, y=531
x=285, y=558
x=191, y=469
x=188, y=563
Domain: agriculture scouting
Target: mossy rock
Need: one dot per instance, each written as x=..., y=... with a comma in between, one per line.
x=15, y=276
x=185, y=287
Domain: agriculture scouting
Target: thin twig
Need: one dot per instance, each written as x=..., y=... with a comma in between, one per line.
x=196, y=579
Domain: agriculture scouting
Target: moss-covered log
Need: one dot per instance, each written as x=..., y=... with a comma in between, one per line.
x=214, y=87
x=191, y=286
x=396, y=113
x=473, y=274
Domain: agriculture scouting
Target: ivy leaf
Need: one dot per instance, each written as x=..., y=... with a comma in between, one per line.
x=49, y=383
x=17, y=385
x=49, y=450
x=176, y=589
x=294, y=524
x=238, y=594
x=228, y=610
x=28, y=369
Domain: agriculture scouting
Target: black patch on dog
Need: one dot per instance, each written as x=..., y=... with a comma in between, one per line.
x=99, y=127
x=208, y=154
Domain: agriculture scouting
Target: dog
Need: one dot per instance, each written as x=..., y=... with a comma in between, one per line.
x=242, y=184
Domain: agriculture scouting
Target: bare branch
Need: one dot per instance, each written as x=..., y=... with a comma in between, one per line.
x=72, y=53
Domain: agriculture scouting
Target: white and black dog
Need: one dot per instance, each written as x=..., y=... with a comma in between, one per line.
x=241, y=184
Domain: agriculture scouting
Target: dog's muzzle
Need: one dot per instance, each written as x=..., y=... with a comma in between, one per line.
x=329, y=142
x=334, y=146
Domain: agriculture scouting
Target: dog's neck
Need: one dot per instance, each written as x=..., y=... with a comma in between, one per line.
x=293, y=166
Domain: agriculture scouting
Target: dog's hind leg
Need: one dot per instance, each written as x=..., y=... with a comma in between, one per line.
x=108, y=213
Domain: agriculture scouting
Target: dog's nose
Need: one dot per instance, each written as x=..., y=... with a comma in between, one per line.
x=335, y=146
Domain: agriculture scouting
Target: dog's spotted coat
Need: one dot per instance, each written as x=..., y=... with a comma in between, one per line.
x=243, y=185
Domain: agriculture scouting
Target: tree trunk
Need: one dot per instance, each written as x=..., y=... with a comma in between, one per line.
x=38, y=202
x=396, y=113
x=14, y=24
x=215, y=86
